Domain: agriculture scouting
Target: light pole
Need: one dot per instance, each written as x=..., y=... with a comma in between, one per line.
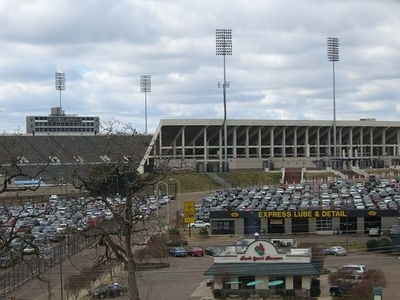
x=145, y=87
x=179, y=198
x=60, y=84
x=223, y=40
x=333, y=56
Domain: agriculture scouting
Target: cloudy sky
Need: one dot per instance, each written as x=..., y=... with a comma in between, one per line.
x=278, y=69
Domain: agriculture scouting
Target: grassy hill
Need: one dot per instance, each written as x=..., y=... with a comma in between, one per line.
x=197, y=182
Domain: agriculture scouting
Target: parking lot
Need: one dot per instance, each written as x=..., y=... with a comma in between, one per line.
x=184, y=279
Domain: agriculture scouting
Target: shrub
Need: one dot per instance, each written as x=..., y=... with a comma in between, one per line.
x=384, y=245
x=315, y=291
x=174, y=231
x=372, y=245
x=203, y=232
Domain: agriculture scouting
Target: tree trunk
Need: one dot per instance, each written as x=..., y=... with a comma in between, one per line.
x=131, y=263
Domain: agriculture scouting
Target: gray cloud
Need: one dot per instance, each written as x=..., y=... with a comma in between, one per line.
x=278, y=69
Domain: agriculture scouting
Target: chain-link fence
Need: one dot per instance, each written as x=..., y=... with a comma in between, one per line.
x=32, y=266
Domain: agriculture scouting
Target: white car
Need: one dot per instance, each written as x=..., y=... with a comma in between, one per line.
x=357, y=269
x=199, y=224
x=374, y=232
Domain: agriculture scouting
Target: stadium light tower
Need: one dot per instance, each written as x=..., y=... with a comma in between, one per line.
x=223, y=40
x=145, y=87
x=333, y=56
x=60, y=84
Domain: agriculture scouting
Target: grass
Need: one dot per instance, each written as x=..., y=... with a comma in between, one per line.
x=309, y=176
x=200, y=182
x=248, y=179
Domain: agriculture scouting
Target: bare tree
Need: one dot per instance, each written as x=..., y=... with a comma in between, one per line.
x=370, y=279
x=110, y=169
x=132, y=225
x=355, y=285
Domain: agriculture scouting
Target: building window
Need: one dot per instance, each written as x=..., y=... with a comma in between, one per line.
x=223, y=227
x=323, y=224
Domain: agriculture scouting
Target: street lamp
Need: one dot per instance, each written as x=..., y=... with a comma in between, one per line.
x=60, y=84
x=179, y=198
x=223, y=40
x=333, y=56
x=145, y=87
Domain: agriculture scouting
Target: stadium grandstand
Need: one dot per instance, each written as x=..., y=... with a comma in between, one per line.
x=55, y=154
x=198, y=144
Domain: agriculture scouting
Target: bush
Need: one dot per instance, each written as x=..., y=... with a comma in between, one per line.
x=315, y=291
x=372, y=245
x=384, y=245
x=203, y=232
x=174, y=231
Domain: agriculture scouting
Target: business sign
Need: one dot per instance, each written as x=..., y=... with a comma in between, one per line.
x=189, y=208
x=303, y=214
x=187, y=219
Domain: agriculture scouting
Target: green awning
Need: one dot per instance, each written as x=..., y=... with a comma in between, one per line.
x=259, y=269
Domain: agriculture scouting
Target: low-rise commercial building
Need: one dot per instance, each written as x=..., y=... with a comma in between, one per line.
x=301, y=221
x=261, y=268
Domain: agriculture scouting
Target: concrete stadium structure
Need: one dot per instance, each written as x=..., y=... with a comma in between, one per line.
x=52, y=158
x=268, y=144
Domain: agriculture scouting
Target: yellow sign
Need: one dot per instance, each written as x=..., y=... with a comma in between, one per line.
x=188, y=207
x=189, y=219
x=303, y=214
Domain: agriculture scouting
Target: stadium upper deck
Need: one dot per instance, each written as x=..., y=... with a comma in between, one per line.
x=32, y=152
x=257, y=144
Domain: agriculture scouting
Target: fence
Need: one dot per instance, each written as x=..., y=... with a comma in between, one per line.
x=21, y=274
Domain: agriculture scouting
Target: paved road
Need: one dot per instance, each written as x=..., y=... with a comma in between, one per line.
x=185, y=280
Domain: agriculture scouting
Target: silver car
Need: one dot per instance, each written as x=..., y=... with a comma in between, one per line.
x=336, y=250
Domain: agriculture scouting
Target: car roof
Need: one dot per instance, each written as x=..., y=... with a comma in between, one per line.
x=354, y=266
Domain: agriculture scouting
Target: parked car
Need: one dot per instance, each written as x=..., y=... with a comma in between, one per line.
x=373, y=232
x=110, y=291
x=195, y=251
x=178, y=251
x=210, y=280
x=335, y=291
x=336, y=250
x=212, y=250
x=199, y=224
x=394, y=230
x=24, y=229
x=28, y=249
x=357, y=269
x=177, y=241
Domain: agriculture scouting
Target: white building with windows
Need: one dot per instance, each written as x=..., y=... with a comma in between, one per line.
x=60, y=123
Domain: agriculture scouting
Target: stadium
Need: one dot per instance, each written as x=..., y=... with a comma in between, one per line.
x=197, y=145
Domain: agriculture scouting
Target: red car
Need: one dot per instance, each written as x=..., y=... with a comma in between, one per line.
x=195, y=251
